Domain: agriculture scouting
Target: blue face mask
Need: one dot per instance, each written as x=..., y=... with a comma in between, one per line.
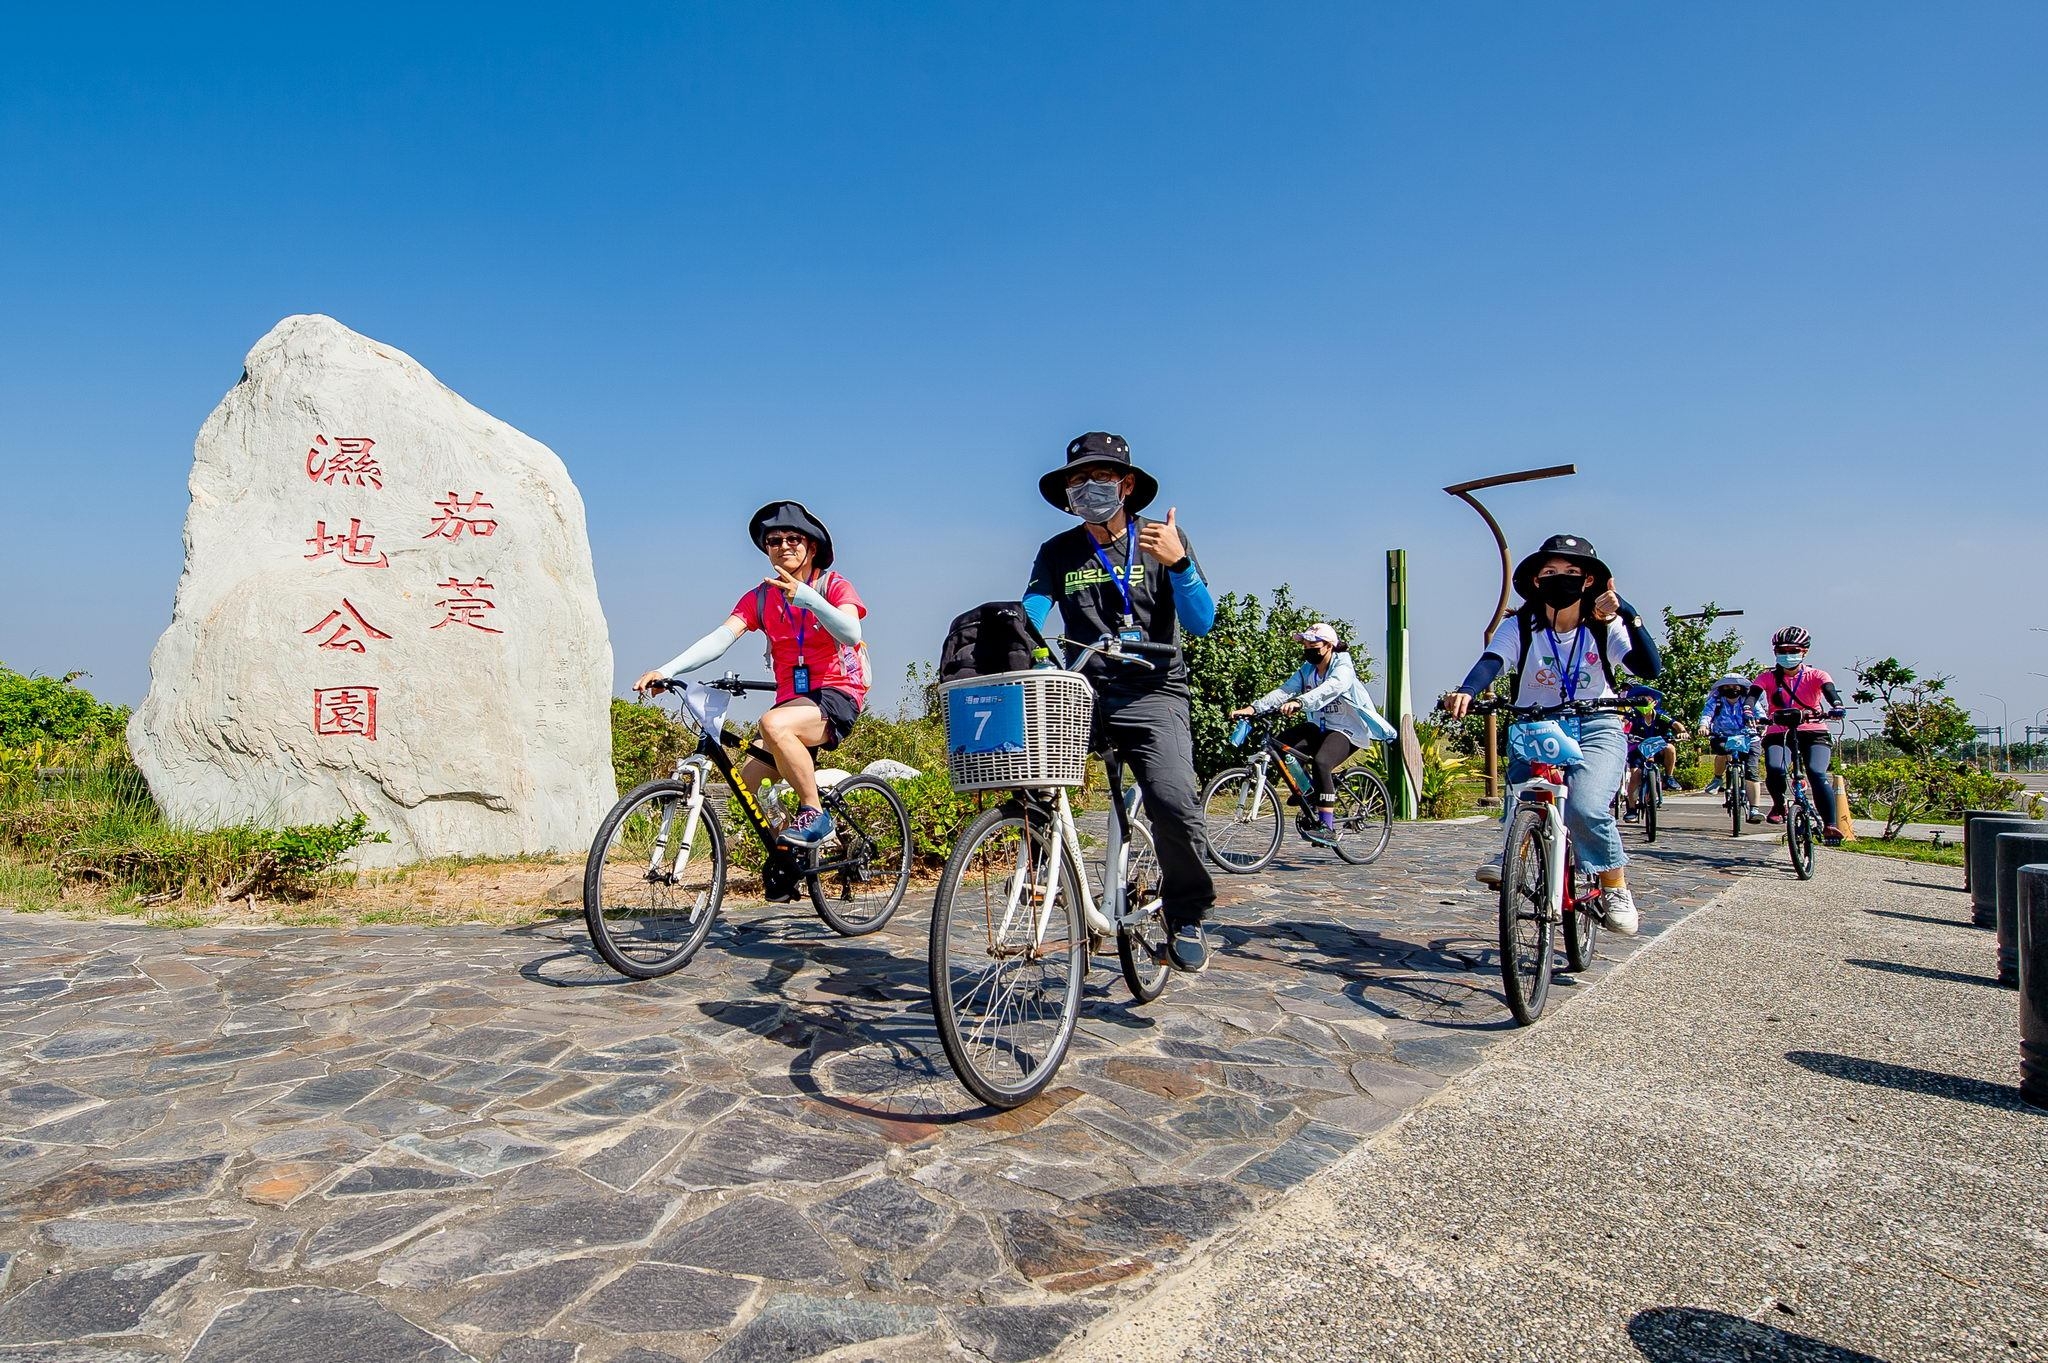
x=1790, y=659
x=1096, y=503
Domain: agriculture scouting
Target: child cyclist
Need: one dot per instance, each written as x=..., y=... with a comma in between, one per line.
x=1730, y=711
x=812, y=617
x=1648, y=721
x=1565, y=642
x=1799, y=700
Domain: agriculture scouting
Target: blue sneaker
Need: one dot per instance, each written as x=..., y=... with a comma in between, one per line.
x=809, y=828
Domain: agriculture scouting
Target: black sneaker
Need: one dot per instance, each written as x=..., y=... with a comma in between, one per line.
x=1187, y=950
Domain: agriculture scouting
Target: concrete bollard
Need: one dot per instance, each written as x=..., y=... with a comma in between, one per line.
x=1971, y=816
x=1980, y=854
x=2014, y=851
x=2033, y=952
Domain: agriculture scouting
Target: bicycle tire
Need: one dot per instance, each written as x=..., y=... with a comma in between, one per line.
x=1251, y=843
x=1525, y=926
x=1581, y=931
x=1799, y=838
x=1365, y=817
x=1737, y=799
x=965, y=881
x=862, y=804
x=642, y=955
x=1653, y=787
x=1141, y=941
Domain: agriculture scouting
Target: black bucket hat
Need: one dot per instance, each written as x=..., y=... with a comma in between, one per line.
x=792, y=516
x=1100, y=447
x=1578, y=549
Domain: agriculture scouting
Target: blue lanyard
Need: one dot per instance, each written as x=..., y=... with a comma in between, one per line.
x=1122, y=579
x=1568, y=676
x=802, y=629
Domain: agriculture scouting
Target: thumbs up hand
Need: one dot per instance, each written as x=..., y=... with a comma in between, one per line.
x=1160, y=540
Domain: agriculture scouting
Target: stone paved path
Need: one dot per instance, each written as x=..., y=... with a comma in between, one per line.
x=445, y=1144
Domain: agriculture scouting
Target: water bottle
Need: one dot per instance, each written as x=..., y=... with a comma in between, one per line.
x=1294, y=770
x=1040, y=657
x=1239, y=732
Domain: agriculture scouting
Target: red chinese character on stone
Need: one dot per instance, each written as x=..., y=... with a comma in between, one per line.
x=457, y=515
x=348, y=629
x=346, y=460
x=345, y=712
x=354, y=546
x=466, y=607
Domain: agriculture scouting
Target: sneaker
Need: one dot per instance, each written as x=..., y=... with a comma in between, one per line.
x=1671, y=783
x=1831, y=836
x=1187, y=950
x=1633, y=816
x=1755, y=815
x=1618, y=907
x=1777, y=814
x=1488, y=873
x=1714, y=786
x=809, y=828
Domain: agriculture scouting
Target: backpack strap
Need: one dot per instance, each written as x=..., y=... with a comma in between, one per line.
x=1525, y=629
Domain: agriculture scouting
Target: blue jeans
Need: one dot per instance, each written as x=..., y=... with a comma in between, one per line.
x=1587, y=812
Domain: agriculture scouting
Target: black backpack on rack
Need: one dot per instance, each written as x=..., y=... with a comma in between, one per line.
x=996, y=636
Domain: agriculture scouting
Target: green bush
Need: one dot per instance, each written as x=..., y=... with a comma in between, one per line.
x=647, y=742
x=1905, y=790
x=53, y=710
x=1250, y=650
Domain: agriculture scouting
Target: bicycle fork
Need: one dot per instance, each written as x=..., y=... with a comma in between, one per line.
x=693, y=810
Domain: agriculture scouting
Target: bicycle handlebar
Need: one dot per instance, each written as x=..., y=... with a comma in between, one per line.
x=1116, y=648
x=1570, y=707
x=731, y=683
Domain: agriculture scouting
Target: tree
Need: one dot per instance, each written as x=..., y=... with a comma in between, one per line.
x=1694, y=659
x=1919, y=720
x=1250, y=650
x=1927, y=727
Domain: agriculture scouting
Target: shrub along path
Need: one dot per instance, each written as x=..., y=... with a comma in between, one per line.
x=437, y=1144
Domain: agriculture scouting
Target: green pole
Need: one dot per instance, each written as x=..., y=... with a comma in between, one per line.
x=1405, y=757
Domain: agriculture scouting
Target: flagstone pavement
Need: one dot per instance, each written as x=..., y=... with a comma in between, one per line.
x=441, y=1144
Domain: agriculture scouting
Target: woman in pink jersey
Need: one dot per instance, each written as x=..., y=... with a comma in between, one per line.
x=812, y=617
x=1798, y=699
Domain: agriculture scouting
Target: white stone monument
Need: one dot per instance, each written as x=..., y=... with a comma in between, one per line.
x=387, y=608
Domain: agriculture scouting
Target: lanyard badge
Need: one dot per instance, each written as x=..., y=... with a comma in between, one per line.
x=1127, y=630
x=800, y=675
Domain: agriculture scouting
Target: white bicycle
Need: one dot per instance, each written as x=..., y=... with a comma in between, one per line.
x=1019, y=914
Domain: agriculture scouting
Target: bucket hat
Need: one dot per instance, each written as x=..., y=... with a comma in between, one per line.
x=1100, y=447
x=792, y=516
x=1578, y=549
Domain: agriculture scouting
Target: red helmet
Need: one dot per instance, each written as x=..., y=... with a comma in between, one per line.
x=1792, y=637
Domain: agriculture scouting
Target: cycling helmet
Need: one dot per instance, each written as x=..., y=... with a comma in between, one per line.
x=1792, y=637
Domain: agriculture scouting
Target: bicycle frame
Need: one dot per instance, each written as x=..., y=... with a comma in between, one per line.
x=1546, y=787
x=1115, y=910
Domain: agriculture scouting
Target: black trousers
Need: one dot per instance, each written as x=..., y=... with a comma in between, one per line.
x=1329, y=749
x=1151, y=732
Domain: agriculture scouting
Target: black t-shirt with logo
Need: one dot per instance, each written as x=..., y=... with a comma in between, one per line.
x=1068, y=570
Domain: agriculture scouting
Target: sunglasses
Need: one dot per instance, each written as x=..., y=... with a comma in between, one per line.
x=789, y=541
x=1080, y=476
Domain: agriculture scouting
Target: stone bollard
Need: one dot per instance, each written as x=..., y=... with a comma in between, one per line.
x=1971, y=816
x=2033, y=924
x=2014, y=851
x=1980, y=853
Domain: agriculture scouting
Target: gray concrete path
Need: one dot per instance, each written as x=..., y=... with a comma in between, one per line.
x=1788, y=1131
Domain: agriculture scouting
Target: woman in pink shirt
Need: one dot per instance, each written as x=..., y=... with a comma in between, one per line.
x=812, y=617
x=1799, y=700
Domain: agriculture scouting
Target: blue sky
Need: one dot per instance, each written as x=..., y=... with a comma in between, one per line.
x=1771, y=275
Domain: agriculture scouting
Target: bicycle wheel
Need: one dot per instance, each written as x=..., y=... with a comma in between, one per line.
x=1652, y=796
x=1799, y=837
x=869, y=853
x=1242, y=821
x=1581, y=930
x=1141, y=937
x=652, y=884
x=1737, y=798
x=1008, y=952
x=1365, y=817
x=1525, y=924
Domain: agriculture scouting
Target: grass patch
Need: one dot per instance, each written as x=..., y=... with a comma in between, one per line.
x=1948, y=854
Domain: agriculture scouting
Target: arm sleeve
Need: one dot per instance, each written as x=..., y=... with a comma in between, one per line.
x=708, y=649
x=1042, y=591
x=1343, y=676
x=1038, y=607
x=1827, y=688
x=1642, y=657
x=1193, y=605
x=841, y=622
x=1483, y=673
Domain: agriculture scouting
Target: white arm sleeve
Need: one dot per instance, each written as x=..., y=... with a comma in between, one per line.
x=708, y=649
x=841, y=622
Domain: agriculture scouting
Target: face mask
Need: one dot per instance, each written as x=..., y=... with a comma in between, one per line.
x=1313, y=657
x=1096, y=503
x=1560, y=590
x=1791, y=659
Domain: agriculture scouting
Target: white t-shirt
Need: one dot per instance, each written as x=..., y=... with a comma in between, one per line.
x=1547, y=661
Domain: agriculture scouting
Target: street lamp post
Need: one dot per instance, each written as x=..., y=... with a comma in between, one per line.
x=2004, y=728
x=1463, y=492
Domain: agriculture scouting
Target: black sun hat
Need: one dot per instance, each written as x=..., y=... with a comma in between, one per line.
x=1578, y=549
x=1100, y=447
x=792, y=516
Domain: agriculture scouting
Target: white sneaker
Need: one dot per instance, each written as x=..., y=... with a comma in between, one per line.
x=1488, y=873
x=1619, y=908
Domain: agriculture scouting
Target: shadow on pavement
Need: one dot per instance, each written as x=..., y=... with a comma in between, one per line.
x=1923, y=972
x=1883, y=1074
x=1921, y=884
x=1919, y=917
x=1689, y=1334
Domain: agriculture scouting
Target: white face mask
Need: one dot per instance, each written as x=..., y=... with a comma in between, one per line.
x=1096, y=503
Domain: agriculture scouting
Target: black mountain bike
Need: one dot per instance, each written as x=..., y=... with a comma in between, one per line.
x=1802, y=816
x=657, y=868
x=1241, y=806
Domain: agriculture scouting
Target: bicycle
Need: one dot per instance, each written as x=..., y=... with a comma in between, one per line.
x=1741, y=750
x=1541, y=886
x=1648, y=778
x=1802, y=816
x=1015, y=923
x=1241, y=806
x=650, y=899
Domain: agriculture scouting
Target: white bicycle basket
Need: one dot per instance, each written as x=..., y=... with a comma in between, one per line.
x=1014, y=730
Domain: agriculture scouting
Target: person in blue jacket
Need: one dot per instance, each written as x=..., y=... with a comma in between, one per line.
x=1338, y=716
